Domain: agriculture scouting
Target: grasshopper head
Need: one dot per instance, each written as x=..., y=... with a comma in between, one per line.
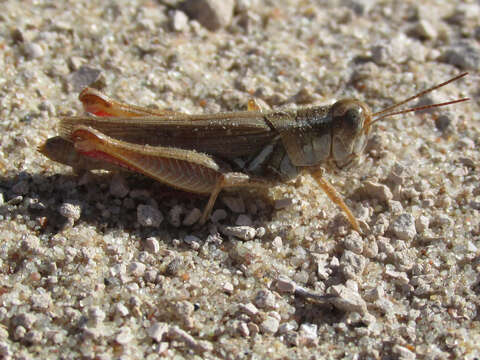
x=350, y=128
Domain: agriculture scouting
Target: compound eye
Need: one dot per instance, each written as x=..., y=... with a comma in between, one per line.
x=349, y=115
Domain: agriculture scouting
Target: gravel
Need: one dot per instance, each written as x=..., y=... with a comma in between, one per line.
x=90, y=269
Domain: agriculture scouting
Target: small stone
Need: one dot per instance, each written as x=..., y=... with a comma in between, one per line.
x=254, y=329
x=19, y=333
x=243, y=329
x=228, y=288
x=321, y=261
x=277, y=242
x=348, y=299
x=137, y=269
x=20, y=188
x=70, y=211
x=282, y=203
x=308, y=334
x=395, y=207
x=148, y=215
x=33, y=50
x=442, y=122
x=403, y=352
x=285, y=285
x=75, y=62
x=179, y=21
x=193, y=241
x=151, y=275
x=173, y=268
x=118, y=186
x=245, y=233
x=212, y=14
x=352, y=265
x=87, y=76
x=249, y=309
x=403, y=227
x=269, y=325
x=218, y=215
x=33, y=337
x=157, y=331
x=235, y=204
x=96, y=315
x=26, y=320
x=192, y=217
x=124, y=336
x=121, y=310
x=174, y=215
x=260, y=232
x=424, y=30
x=244, y=220
x=354, y=242
x=377, y=191
x=465, y=54
x=265, y=299
x=152, y=245
x=466, y=143
x=422, y=223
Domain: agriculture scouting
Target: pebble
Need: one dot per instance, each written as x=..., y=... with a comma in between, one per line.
x=235, y=204
x=118, y=186
x=87, y=76
x=157, y=331
x=70, y=211
x=151, y=275
x=248, y=309
x=403, y=353
x=212, y=14
x=33, y=50
x=218, y=215
x=124, y=336
x=347, y=299
x=26, y=320
x=352, y=265
x=179, y=21
x=21, y=188
x=137, y=268
x=152, y=245
x=243, y=329
x=121, y=310
x=96, y=315
x=244, y=220
x=285, y=285
x=253, y=328
x=174, y=215
x=181, y=335
x=465, y=54
x=353, y=242
x=308, y=334
x=245, y=233
x=377, y=191
x=403, y=227
x=265, y=299
x=425, y=30
x=192, y=217
x=148, y=215
x=174, y=266
x=269, y=325
x=422, y=223
x=228, y=288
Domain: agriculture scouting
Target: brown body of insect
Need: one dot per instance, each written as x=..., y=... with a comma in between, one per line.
x=207, y=153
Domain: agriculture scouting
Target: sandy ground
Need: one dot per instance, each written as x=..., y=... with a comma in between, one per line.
x=102, y=266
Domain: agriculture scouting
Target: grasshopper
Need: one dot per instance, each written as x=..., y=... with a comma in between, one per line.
x=207, y=153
